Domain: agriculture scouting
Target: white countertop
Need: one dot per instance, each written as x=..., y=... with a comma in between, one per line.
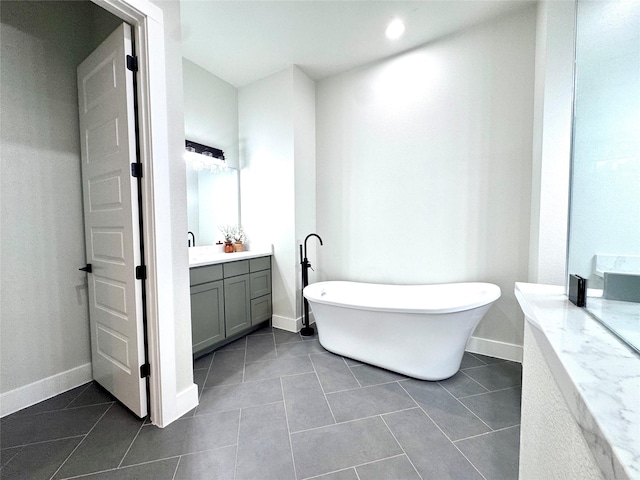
x=599, y=376
x=209, y=255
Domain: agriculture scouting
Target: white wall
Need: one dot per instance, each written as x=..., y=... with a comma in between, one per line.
x=44, y=313
x=276, y=150
x=424, y=166
x=304, y=144
x=267, y=178
x=605, y=204
x=552, y=142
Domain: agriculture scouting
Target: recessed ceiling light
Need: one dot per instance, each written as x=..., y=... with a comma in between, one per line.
x=395, y=29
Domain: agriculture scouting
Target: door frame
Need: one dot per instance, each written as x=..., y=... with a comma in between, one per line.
x=146, y=20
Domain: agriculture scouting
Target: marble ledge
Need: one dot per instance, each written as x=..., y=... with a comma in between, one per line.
x=210, y=255
x=599, y=376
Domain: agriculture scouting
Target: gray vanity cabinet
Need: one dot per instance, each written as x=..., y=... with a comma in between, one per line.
x=228, y=300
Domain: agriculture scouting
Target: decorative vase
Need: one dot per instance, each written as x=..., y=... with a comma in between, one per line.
x=238, y=247
x=228, y=247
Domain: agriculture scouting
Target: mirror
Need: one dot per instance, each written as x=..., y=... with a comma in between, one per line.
x=212, y=200
x=604, y=244
x=211, y=118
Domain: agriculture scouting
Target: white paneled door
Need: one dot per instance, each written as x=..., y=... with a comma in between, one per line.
x=107, y=133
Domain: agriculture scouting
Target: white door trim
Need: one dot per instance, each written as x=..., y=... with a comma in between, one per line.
x=147, y=23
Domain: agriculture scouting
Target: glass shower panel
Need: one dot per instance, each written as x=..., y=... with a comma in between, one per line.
x=605, y=191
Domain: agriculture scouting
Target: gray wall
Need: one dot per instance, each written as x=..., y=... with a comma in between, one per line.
x=44, y=316
x=424, y=166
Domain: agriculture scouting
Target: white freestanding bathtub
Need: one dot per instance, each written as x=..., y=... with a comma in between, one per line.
x=418, y=330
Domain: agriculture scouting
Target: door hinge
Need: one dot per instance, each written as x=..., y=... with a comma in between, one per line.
x=132, y=63
x=136, y=170
x=141, y=272
x=145, y=370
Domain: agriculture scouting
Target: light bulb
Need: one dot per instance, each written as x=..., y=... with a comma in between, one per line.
x=395, y=29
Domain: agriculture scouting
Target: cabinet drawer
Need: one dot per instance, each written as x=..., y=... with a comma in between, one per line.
x=210, y=273
x=233, y=269
x=260, y=309
x=257, y=264
x=260, y=283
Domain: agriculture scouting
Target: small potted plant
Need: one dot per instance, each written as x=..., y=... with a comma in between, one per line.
x=238, y=238
x=228, y=232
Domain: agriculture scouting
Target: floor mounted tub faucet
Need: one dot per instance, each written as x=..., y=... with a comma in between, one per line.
x=306, y=330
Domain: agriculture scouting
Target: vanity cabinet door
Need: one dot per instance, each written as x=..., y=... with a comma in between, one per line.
x=207, y=315
x=237, y=303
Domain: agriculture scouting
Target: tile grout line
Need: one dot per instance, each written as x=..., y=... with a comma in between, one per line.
x=471, y=411
x=486, y=433
x=447, y=437
x=131, y=444
x=244, y=360
x=490, y=391
x=11, y=459
x=351, y=372
x=286, y=417
x=148, y=462
x=78, y=396
x=400, y=445
x=216, y=412
x=367, y=387
x=204, y=383
x=175, y=472
x=65, y=409
x=45, y=441
x=355, y=420
x=474, y=380
x=323, y=392
x=235, y=465
x=80, y=443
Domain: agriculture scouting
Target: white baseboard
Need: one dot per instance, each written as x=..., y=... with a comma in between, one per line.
x=186, y=401
x=35, y=392
x=494, y=348
x=289, y=324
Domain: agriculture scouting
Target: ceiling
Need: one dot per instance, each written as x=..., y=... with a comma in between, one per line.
x=243, y=41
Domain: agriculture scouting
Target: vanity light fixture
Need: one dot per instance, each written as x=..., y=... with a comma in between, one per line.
x=201, y=156
x=395, y=29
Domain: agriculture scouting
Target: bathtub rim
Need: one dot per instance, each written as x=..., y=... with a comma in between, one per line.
x=494, y=294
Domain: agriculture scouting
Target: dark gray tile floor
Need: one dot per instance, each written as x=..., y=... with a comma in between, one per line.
x=275, y=405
